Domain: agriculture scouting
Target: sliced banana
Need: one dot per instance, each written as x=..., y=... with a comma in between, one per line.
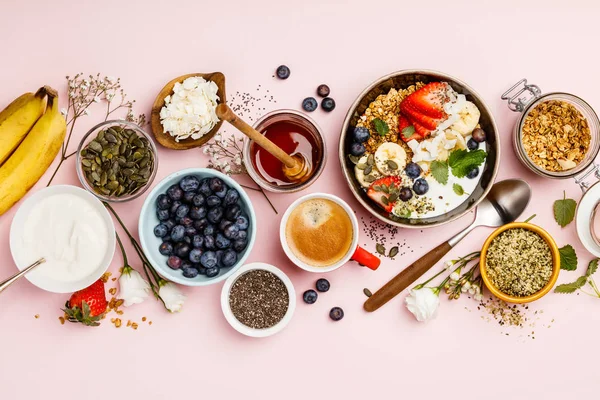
x=366, y=180
x=461, y=143
x=390, y=158
x=468, y=119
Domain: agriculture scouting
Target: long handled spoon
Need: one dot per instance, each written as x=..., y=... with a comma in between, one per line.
x=11, y=280
x=295, y=167
x=505, y=202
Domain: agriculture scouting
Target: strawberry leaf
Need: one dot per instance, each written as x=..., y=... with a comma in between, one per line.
x=564, y=210
x=463, y=161
x=439, y=171
x=568, y=258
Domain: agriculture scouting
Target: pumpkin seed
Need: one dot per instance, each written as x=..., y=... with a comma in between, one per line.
x=392, y=164
x=380, y=249
x=385, y=188
x=371, y=159
x=353, y=159
x=393, y=252
x=369, y=169
x=393, y=197
x=385, y=200
x=93, y=145
x=367, y=292
x=369, y=179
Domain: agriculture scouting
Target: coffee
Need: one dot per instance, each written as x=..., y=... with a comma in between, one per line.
x=319, y=232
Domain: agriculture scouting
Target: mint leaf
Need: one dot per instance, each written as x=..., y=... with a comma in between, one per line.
x=592, y=267
x=408, y=132
x=571, y=287
x=463, y=161
x=381, y=127
x=458, y=189
x=568, y=258
x=564, y=210
x=439, y=171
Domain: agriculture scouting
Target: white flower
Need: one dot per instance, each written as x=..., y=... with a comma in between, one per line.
x=423, y=303
x=454, y=276
x=86, y=112
x=110, y=79
x=133, y=289
x=450, y=263
x=170, y=294
x=63, y=112
x=96, y=99
x=478, y=297
x=467, y=285
x=205, y=150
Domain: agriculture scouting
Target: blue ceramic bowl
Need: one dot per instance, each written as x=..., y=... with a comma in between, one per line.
x=150, y=243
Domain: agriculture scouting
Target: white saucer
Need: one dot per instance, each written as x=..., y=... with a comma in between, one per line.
x=583, y=218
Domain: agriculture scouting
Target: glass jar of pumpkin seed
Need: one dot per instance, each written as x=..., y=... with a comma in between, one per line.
x=116, y=161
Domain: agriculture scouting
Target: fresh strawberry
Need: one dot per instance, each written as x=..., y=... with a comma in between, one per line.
x=414, y=115
x=420, y=131
x=429, y=100
x=404, y=123
x=87, y=305
x=382, y=189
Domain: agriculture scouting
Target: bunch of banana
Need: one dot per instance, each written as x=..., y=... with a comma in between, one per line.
x=32, y=131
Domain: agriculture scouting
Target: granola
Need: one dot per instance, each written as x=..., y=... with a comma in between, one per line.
x=555, y=135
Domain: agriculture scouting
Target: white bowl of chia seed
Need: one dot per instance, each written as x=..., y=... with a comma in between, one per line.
x=258, y=300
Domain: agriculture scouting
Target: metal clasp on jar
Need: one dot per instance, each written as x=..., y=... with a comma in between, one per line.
x=516, y=101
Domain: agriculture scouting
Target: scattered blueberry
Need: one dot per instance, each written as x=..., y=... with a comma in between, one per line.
x=323, y=90
x=205, y=187
x=478, y=135
x=198, y=200
x=283, y=72
x=161, y=230
x=231, y=231
x=209, y=230
x=190, y=272
x=162, y=215
x=186, y=221
x=472, y=144
x=182, y=249
x=217, y=185
x=360, y=134
x=197, y=212
x=219, y=257
x=190, y=231
x=232, y=212
x=185, y=264
x=212, y=272
x=166, y=249
x=357, y=149
x=413, y=170
x=174, y=262
x=310, y=296
x=209, y=259
x=229, y=258
x=473, y=173
x=169, y=224
x=177, y=233
x=174, y=206
x=163, y=202
x=209, y=242
x=201, y=269
x=195, y=255
x=405, y=194
x=421, y=186
x=242, y=222
x=189, y=183
x=224, y=224
x=239, y=245
x=188, y=197
x=215, y=215
x=222, y=242
x=231, y=197
x=182, y=211
x=201, y=224
x=310, y=104
x=322, y=285
x=328, y=104
x=166, y=238
x=242, y=235
x=175, y=192
x=197, y=241
x=336, y=313
x=213, y=200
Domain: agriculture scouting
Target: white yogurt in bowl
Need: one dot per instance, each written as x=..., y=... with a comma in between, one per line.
x=71, y=229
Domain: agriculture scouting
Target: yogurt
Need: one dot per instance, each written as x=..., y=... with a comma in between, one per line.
x=69, y=232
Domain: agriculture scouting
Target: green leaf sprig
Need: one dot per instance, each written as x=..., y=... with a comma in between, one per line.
x=564, y=210
x=580, y=283
x=381, y=126
x=568, y=258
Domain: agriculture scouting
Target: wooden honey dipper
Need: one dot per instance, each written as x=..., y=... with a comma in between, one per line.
x=295, y=167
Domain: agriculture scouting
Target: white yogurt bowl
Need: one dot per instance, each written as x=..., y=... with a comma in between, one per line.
x=244, y=329
x=22, y=259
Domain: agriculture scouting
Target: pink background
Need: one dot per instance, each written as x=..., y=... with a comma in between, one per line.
x=347, y=45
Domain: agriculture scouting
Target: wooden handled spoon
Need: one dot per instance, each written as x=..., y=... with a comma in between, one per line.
x=295, y=167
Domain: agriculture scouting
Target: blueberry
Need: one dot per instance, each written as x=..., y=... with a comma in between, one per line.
x=421, y=186
x=185, y=264
x=209, y=230
x=190, y=231
x=166, y=249
x=215, y=215
x=205, y=187
x=478, y=135
x=283, y=72
x=209, y=242
x=310, y=296
x=219, y=254
x=209, y=259
x=229, y=258
x=328, y=104
x=195, y=255
x=198, y=200
x=175, y=192
x=212, y=272
x=182, y=249
x=405, y=194
x=182, y=211
x=174, y=262
x=177, y=233
x=189, y=183
x=197, y=241
x=163, y=202
x=357, y=149
x=231, y=197
x=197, y=212
x=200, y=268
x=161, y=230
x=217, y=186
x=188, y=197
x=473, y=173
x=242, y=222
x=360, y=134
x=222, y=242
x=239, y=245
x=242, y=235
x=188, y=240
x=174, y=206
x=170, y=223
x=190, y=272
x=186, y=221
x=166, y=238
x=323, y=285
x=162, y=215
x=323, y=90
x=200, y=224
x=224, y=224
x=336, y=313
x=213, y=200
x=309, y=104
x=472, y=144
x=231, y=231
x=413, y=170
x=232, y=212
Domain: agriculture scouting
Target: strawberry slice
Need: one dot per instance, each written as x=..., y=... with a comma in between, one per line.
x=412, y=114
x=420, y=131
x=404, y=123
x=429, y=100
x=381, y=190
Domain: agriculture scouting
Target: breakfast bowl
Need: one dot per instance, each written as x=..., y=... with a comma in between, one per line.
x=553, y=268
x=415, y=201
x=232, y=306
x=197, y=227
x=116, y=161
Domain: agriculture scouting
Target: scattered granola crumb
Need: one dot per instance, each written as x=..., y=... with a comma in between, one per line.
x=134, y=325
x=62, y=320
x=37, y=316
x=149, y=322
x=113, y=279
x=105, y=276
x=143, y=319
x=128, y=322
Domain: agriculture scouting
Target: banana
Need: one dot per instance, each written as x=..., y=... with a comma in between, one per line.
x=33, y=156
x=360, y=173
x=468, y=119
x=390, y=158
x=17, y=119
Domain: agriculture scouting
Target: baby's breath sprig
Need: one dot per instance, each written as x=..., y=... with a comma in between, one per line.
x=85, y=91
